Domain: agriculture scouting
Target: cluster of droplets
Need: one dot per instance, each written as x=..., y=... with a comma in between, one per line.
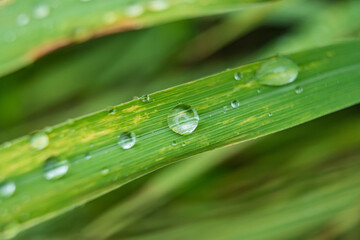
x=183, y=119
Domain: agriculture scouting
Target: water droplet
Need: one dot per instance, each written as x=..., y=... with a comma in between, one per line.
x=145, y=98
x=55, y=168
x=41, y=11
x=39, y=140
x=238, y=76
x=235, y=104
x=134, y=10
x=69, y=121
x=174, y=143
x=258, y=91
x=110, y=110
x=183, y=144
x=7, y=189
x=270, y=114
x=87, y=156
x=127, y=140
x=183, y=119
x=22, y=19
x=158, y=5
x=110, y=17
x=277, y=71
x=105, y=171
x=298, y=90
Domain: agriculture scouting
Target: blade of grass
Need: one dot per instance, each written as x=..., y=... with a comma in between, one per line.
x=327, y=75
x=30, y=29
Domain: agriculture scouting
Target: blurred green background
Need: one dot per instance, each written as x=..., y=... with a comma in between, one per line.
x=302, y=183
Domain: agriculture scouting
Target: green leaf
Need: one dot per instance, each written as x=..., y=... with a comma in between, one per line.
x=31, y=29
x=328, y=79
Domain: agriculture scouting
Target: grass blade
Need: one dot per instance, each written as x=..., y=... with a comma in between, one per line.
x=328, y=77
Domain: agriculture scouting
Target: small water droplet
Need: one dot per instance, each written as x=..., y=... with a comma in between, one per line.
x=134, y=10
x=22, y=19
x=238, y=76
x=270, y=114
x=105, y=171
x=258, y=91
x=110, y=17
x=110, y=110
x=145, y=98
x=174, y=143
x=55, y=168
x=277, y=71
x=87, y=156
x=158, y=5
x=298, y=90
x=7, y=189
x=183, y=119
x=235, y=104
x=183, y=144
x=39, y=140
x=41, y=11
x=127, y=140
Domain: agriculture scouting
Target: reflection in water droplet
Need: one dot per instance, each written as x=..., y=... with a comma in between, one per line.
x=55, y=168
x=270, y=114
x=22, y=19
x=183, y=119
x=298, y=90
x=7, y=189
x=235, y=104
x=41, y=11
x=134, y=10
x=39, y=140
x=277, y=71
x=127, y=140
x=158, y=5
x=87, y=156
x=238, y=76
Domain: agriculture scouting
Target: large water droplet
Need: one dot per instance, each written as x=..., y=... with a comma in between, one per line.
x=55, y=168
x=127, y=140
x=22, y=19
x=41, y=11
x=39, y=140
x=7, y=189
x=277, y=71
x=183, y=119
x=235, y=104
x=110, y=110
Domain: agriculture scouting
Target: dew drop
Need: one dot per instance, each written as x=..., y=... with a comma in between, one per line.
x=134, y=10
x=270, y=114
x=158, y=5
x=127, y=140
x=41, y=11
x=55, y=168
x=183, y=119
x=174, y=143
x=39, y=140
x=145, y=98
x=298, y=90
x=105, y=171
x=238, y=76
x=277, y=71
x=22, y=19
x=235, y=104
x=7, y=189
x=87, y=156
x=258, y=91
x=110, y=110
